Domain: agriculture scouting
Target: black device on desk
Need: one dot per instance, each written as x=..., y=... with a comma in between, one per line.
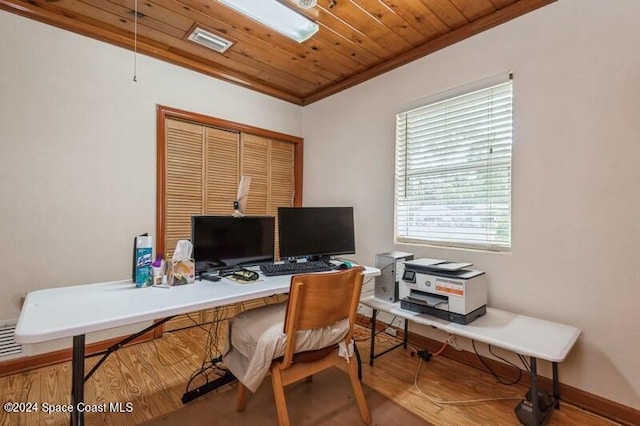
x=226, y=243
x=210, y=276
x=314, y=234
x=294, y=268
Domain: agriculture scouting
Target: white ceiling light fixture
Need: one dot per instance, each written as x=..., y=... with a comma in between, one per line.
x=277, y=16
x=210, y=40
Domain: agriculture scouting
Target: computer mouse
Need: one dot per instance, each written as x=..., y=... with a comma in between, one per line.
x=345, y=265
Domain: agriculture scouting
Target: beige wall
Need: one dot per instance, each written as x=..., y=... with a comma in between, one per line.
x=576, y=156
x=78, y=151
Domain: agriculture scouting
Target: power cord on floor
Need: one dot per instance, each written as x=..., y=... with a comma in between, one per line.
x=426, y=355
x=459, y=402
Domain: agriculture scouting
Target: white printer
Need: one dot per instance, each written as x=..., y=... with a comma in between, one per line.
x=444, y=289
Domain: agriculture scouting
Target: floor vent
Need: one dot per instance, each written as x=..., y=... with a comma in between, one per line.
x=9, y=348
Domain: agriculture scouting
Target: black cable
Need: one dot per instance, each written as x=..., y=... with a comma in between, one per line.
x=499, y=357
x=415, y=350
x=473, y=343
x=200, y=372
x=209, y=362
x=524, y=362
x=507, y=361
x=168, y=364
x=207, y=356
x=214, y=348
x=383, y=330
x=197, y=324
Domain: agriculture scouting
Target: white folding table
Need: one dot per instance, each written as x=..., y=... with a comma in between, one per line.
x=77, y=310
x=528, y=336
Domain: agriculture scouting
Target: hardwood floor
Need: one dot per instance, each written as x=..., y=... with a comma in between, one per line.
x=152, y=377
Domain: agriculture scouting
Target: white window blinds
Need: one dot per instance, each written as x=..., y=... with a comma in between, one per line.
x=453, y=171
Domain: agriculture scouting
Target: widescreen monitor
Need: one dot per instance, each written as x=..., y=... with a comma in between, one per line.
x=315, y=232
x=226, y=242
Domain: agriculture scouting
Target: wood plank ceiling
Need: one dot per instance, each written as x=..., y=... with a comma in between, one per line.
x=357, y=40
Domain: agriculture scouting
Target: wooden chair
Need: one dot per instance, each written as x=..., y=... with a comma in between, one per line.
x=315, y=301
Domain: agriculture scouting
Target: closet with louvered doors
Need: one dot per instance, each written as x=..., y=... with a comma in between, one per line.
x=200, y=163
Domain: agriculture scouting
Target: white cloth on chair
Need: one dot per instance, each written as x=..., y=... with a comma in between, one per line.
x=346, y=350
x=256, y=337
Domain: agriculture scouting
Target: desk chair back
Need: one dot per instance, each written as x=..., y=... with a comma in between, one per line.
x=321, y=300
x=316, y=301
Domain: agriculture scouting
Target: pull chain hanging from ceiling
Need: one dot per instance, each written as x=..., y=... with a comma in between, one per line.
x=135, y=41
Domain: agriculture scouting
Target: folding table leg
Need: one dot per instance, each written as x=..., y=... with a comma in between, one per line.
x=77, y=380
x=556, y=387
x=541, y=405
x=534, y=391
x=405, y=339
x=373, y=337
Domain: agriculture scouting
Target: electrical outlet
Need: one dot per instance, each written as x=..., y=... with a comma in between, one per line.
x=451, y=341
x=398, y=322
x=391, y=331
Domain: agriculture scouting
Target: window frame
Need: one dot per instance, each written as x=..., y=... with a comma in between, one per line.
x=486, y=245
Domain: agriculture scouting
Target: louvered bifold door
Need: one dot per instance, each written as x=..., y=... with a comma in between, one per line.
x=282, y=182
x=222, y=168
x=203, y=166
x=184, y=180
x=254, y=154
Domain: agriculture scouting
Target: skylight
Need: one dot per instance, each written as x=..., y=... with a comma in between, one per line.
x=276, y=16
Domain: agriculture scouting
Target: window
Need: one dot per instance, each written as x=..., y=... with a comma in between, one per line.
x=453, y=171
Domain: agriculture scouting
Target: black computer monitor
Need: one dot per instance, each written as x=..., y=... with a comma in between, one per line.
x=225, y=242
x=315, y=232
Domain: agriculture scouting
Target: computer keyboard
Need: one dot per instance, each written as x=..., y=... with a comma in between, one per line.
x=270, y=269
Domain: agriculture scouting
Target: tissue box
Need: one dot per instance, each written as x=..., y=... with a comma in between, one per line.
x=181, y=272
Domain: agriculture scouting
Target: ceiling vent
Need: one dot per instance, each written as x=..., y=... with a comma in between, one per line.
x=210, y=40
